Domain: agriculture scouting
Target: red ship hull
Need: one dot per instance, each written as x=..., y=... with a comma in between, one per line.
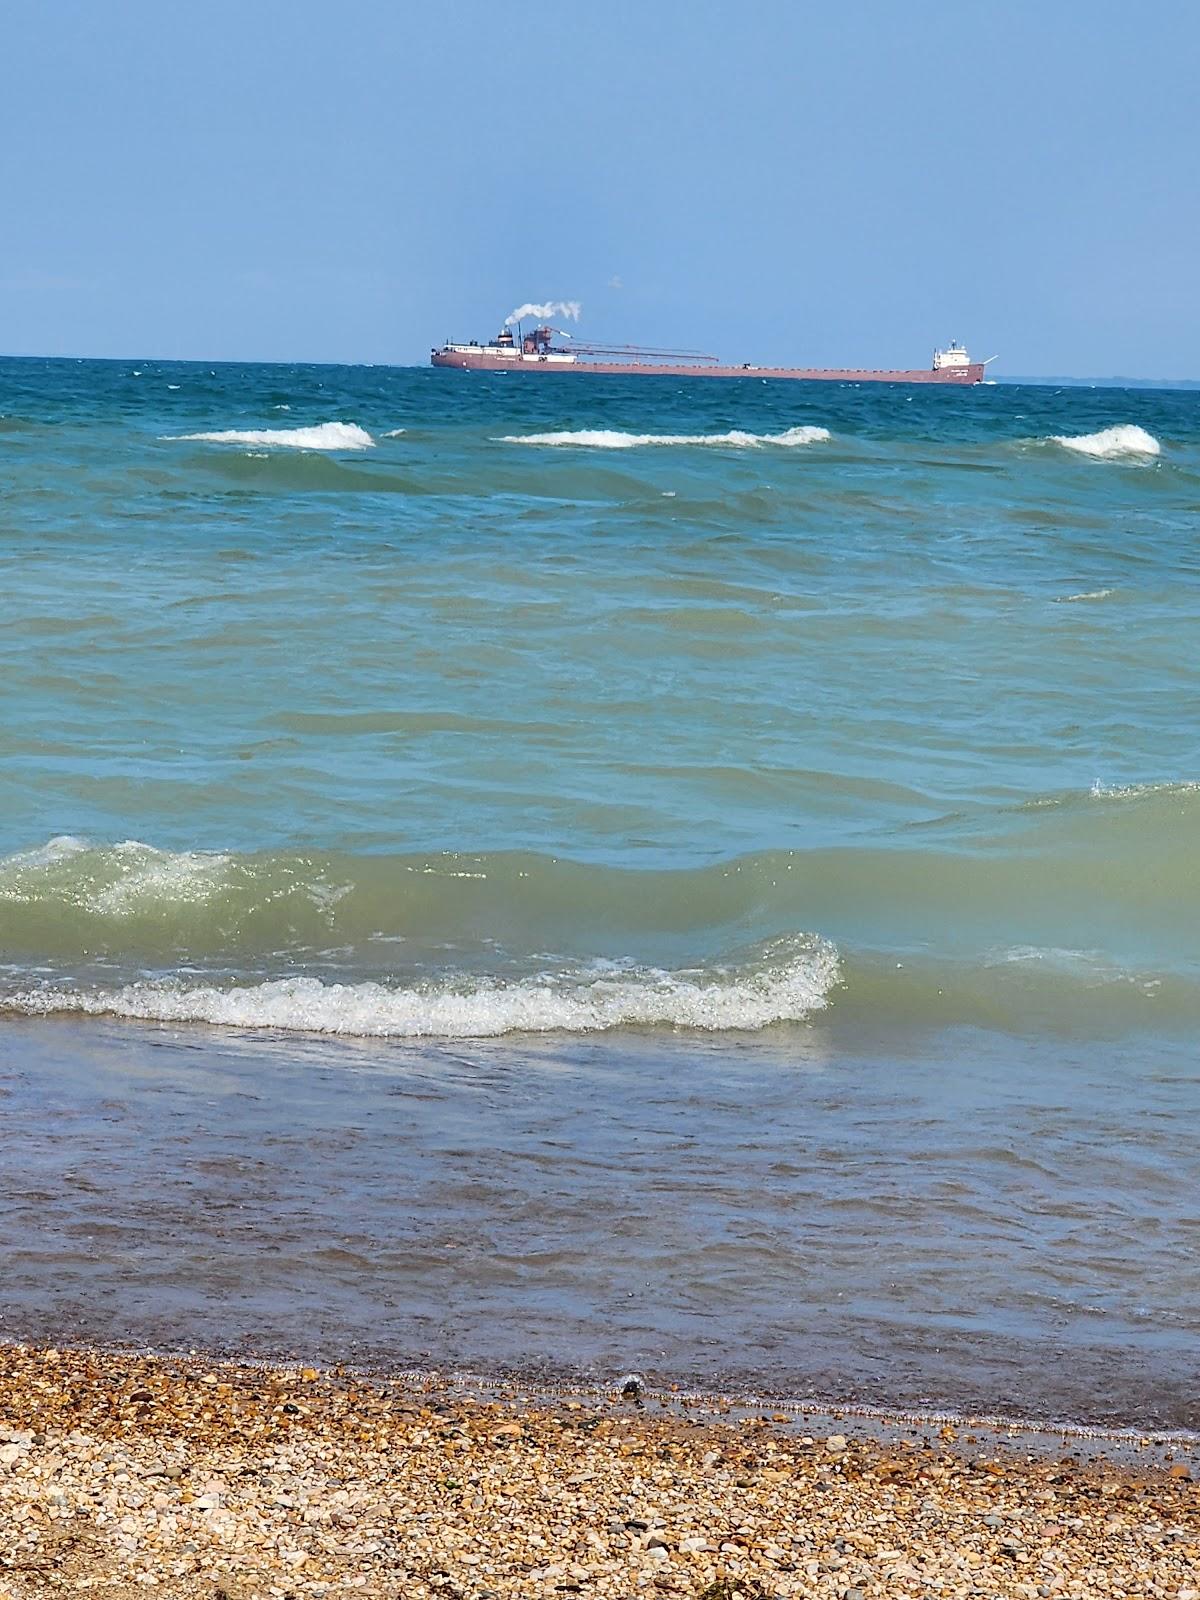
x=482, y=361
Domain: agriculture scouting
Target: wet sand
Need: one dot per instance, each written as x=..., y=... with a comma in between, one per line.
x=122, y=1474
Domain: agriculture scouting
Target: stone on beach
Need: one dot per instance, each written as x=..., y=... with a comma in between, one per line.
x=251, y=1483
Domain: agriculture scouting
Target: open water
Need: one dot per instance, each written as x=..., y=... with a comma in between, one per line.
x=590, y=874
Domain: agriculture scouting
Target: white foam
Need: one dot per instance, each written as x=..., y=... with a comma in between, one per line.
x=1111, y=444
x=150, y=878
x=610, y=439
x=1088, y=594
x=394, y=433
x=787, y=989
x=60, y=848
x=1093, y=968
x=322, y=436
x=1137, y=791
x=125, y=880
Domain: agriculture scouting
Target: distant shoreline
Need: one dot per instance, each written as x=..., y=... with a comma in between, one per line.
x=1101, y=383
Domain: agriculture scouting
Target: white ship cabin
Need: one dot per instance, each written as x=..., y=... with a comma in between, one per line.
x=502, y=345
x=954, y=355
x=534, y=346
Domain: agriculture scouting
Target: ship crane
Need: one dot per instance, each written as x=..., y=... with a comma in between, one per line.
x=539, y=340
x=639, y=352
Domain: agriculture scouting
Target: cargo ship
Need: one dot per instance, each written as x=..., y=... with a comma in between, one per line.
x=537, y=351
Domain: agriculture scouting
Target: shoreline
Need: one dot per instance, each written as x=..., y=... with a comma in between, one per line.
x=122, y=1472
x=791, y=1226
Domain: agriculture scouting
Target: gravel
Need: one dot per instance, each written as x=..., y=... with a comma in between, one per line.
x=120, y=1475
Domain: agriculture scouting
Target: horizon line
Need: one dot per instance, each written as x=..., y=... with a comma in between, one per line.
x=1106, y=380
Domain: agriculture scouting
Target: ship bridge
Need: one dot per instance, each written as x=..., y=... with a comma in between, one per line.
x=954, y=355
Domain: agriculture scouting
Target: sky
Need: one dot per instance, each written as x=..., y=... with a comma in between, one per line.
x=776, y=181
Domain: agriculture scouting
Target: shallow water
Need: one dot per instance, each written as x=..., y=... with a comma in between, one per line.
x=959, y=1221
x=784, y=796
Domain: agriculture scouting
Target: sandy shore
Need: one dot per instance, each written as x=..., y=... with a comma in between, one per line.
x=121, y=1475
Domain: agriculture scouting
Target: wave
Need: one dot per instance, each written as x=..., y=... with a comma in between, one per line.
x=460, y=944
x=1122, y=853
x=786, y=982
x=611, y=439
x=1139, y=791
x=321, y=436
x=1126, y=439
x=1017, y=989
x=781, y=982
x=70, y=901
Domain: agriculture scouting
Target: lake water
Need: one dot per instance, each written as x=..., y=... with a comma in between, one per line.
x=584, y=874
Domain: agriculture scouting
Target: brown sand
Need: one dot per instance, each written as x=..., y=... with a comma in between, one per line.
x=125, y=1476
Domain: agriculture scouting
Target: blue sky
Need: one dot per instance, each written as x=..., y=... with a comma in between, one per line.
x=772, y=181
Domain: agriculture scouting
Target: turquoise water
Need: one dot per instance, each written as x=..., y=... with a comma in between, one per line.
x=723, y=720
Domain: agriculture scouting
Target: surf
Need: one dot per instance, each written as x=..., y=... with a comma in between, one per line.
x=786, y=982
x=320, y=436
x=1125, y=440
x=612, y=439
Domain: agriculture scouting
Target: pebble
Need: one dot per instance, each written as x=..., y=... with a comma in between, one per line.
x=210, y=1482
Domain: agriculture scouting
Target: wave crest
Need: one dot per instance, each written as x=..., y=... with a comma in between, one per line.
x=321, y=436
x=785, y=981
x=1137, y=791
x=1111, y=444
x=612, y=439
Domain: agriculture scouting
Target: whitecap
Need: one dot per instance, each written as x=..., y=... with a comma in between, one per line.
x=789, y=985
x=1125, y=439
x=321, y=436
x=611, y=439
x=1137, y=791
x=60, y=848
x=1087, y=594
x=125, y=880
x=394, y=433
x=150, y=878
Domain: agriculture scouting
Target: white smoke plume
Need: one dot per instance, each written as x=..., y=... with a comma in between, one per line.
x=551, y=308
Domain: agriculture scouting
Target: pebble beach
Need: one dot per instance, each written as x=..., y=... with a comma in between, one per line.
x=123, y=1474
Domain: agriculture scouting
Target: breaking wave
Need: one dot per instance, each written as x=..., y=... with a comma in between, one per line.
x=1126, y=439
x=1138, y=791
x=611, y=439
x=321, y=436
x=458, y=945
x=789, y=980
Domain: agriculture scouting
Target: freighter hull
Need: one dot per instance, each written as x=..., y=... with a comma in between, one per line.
x=485, y=361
